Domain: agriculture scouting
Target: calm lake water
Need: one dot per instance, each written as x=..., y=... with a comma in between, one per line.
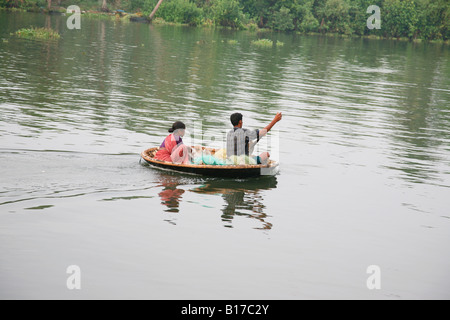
x=364, y=148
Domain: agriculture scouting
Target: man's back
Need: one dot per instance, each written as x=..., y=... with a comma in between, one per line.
x=241, y=141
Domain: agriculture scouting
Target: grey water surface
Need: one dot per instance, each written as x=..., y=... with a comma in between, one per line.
x=364, y=152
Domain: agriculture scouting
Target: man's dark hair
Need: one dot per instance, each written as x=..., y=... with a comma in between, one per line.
x=235, y=118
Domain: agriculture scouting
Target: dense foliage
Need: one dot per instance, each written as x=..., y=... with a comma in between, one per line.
x=414, y=19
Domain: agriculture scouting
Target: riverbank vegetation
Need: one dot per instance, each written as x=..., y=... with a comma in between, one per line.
x=267, y=43
x=400, y=19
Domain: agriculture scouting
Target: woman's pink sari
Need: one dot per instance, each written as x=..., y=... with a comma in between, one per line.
x=173, y=152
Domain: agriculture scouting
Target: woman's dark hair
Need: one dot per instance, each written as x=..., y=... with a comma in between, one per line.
x=236, y=118
x=177, y=125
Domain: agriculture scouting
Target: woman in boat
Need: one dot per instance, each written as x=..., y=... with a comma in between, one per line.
x=173, y=149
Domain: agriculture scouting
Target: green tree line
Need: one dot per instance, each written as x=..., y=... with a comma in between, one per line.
x=414, y=19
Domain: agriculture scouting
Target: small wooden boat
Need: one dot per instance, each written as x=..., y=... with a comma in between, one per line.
x=229, y=171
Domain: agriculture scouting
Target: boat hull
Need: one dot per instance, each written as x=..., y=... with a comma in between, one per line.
x=236, y=171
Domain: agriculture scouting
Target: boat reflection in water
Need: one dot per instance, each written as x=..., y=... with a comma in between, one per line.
x=171, y=195
x=242, y=197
